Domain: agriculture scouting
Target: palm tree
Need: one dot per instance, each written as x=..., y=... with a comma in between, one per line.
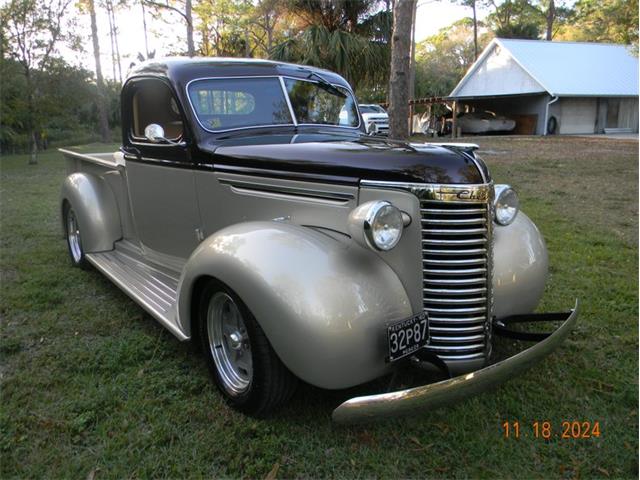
x=347, y=36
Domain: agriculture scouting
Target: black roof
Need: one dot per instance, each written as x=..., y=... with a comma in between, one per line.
x=181, y=70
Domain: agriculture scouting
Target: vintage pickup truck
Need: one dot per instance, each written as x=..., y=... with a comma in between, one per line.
x=249, y=210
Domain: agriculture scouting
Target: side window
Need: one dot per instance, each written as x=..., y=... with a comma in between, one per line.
x=153, y=102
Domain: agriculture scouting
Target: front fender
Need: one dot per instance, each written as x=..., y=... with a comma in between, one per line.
x=520, y=267
x=323, y=303
x=95, y=206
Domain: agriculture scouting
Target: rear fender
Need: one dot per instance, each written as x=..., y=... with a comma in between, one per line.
x=322, y=302
x=96, y=209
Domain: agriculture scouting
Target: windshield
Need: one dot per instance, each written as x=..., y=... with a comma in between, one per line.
x=314, y=103
x=224, y=104
x=230, y=103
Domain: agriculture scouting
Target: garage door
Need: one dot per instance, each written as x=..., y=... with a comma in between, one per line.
x=578, y=115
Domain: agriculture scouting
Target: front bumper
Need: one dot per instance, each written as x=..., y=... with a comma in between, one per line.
x=363, y=409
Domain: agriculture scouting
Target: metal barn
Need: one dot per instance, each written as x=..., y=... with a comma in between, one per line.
x=555, y=87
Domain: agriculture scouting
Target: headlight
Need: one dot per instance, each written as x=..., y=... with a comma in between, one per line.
x=377, y=225
x=506, y=204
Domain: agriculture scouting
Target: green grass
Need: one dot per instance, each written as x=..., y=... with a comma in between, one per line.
x=92, y=385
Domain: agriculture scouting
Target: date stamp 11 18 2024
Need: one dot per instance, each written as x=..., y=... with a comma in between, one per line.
x=546, y=430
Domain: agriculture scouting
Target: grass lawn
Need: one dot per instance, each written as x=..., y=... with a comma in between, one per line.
x=91, y=386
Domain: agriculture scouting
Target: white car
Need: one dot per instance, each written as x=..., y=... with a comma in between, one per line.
x=485, y=122
x=376, y=119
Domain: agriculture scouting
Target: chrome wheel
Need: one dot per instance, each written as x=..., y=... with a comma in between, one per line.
x=73, y=236
x=229, y=344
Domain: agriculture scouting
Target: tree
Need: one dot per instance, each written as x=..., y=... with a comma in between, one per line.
x=613, y=21
x=224, y=26
x=264, y=20
x=350, y=37
x=443, y=59
x=31, y=30
x=400, y=67
x=514, y=19
x=103, y=120
x=184, y=8
x=472, y=4
x=113, y=35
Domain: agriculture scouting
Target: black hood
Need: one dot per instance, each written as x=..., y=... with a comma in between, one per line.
x=351, y=157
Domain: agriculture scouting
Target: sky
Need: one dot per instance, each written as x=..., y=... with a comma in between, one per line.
x=431, y=16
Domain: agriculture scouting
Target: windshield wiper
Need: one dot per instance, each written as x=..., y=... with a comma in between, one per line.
x=326, y=85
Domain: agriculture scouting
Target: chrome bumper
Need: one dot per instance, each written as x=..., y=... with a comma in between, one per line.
x=363, y=409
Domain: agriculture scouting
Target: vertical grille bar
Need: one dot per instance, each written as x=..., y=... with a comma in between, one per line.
x=456, y=266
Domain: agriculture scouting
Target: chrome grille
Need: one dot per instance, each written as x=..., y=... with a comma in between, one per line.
x=456, y=267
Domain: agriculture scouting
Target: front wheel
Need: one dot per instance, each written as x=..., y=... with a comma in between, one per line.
x=74, y=241
x=245, y=367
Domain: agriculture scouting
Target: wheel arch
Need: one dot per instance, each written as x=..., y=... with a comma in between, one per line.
x=323, y=304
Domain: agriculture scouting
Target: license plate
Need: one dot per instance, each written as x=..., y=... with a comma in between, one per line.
x=408, y=336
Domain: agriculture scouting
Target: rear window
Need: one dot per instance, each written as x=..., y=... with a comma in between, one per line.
x=222, y=104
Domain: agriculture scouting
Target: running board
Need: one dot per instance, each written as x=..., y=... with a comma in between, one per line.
x=152, y=289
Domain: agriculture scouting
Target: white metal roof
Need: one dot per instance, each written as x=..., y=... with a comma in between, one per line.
x=560, y=68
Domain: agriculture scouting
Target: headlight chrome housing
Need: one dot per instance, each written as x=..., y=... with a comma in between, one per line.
x=377, y=225
x=506, y=205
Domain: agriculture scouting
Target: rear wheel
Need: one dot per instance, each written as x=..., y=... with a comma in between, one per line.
x=74, y=241
x=245, y=367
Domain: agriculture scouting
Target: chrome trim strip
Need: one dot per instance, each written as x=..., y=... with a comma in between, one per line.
x=456, y=348
x=476, y=328
x=469, y=251
x=456, y=232
x=195, y=113
x=454, y=273
x=303, y=192
x=455, y=301
x=283, y=87
x=450, y=193
x=456, y=310
x=287, y=99
x=353, y=97
x=466, y=241
x=385, y=405
x=449, y=291
x=461, y=211
x=456, y=221
x=466, y=261
x=455, y=281
x=448, y=321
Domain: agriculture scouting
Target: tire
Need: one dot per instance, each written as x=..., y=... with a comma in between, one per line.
x=74, y=240
x=552, y=125
x=246, y=369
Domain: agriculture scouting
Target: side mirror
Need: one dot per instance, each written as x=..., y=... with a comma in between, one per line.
x=154, y=133
x=372, y=128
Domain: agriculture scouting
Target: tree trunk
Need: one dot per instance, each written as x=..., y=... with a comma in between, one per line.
x=113, y=47
x=400, y=69
x=551, y=16
x=191, y=50
x=103, y=120
x=115, y=41
x=31, y=127
x=412, y=78
x=144, y=26
x=475, y=30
